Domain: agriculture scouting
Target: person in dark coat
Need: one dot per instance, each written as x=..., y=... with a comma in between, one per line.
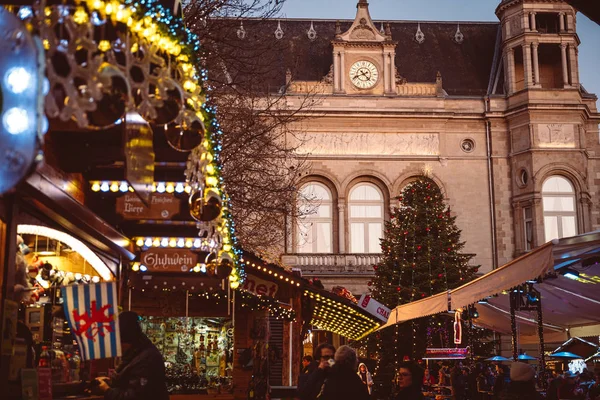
x=310, y=388
x=342, y=381
x=408, y=380
x=308, y=367
x=141, y=374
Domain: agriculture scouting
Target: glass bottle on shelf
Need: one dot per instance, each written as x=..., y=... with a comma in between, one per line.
x=44, y=358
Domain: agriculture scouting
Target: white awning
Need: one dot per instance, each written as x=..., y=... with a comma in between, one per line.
x=431, y=305
x=571, y=306
x=527, y=267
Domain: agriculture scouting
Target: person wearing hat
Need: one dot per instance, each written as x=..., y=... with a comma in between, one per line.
x=522, y=383
x=141, y=374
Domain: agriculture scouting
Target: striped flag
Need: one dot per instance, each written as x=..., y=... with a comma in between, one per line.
x=92, y=314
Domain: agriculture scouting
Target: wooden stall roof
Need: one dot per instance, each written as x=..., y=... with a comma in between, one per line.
x=45, y=193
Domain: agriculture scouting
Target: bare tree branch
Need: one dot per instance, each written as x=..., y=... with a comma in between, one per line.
x=247, y=78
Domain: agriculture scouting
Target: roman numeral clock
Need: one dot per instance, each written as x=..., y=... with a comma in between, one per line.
x=364, y=74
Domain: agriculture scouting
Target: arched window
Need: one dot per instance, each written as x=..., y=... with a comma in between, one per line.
x=560, y=216
x=316, y=224
x=365, y=218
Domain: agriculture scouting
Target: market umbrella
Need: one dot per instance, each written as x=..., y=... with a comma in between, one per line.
x=525, y=357
x=565, y=354
x=497, y=358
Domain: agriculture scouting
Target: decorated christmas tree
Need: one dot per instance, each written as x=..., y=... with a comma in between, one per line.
x=422, y=256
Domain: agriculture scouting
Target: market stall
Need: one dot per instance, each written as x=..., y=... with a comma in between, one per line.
x=549, y=294
x=55, y=242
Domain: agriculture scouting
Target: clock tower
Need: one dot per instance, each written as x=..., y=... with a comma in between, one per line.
x=363, y=57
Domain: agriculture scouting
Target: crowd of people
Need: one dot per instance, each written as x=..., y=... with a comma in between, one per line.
x=334, y=375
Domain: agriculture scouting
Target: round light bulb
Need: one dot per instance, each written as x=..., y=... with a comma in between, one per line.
x=143, y=268
x=15, y=120
x=17, y=80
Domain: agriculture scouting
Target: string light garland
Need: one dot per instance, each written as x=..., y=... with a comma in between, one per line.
x=336, y=316
x=267, y=303
x=124, y=187
x=275, y=271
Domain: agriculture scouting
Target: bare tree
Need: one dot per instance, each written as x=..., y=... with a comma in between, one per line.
x=247, y=77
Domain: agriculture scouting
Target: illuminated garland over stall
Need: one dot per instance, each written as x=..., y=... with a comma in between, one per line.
x=267, y=303
x=108, y=58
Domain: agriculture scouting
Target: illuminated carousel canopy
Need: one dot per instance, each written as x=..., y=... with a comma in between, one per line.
x=132, y=63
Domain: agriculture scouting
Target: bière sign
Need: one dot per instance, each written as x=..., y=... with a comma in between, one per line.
x=162, y=206
x=168, y=260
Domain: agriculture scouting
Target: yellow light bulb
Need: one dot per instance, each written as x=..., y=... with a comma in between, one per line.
x=210, y=169
x=211, y=181
x=95, y=187
x=234, y=285
x=80, y=17
x=227, y=247
x=114, y=187
x=156, y=243
x=189, y=243
x=97, y=4
x=104, y=45
x=189, y=86
x=135, y=267
x=140, y=242
x=108, y=9
x=172, y=243
x=170, y=188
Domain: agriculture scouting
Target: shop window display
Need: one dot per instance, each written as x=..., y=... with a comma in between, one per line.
x=198, y=352
x=42, y=266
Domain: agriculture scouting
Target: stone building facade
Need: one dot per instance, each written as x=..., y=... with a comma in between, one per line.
x=493, y=112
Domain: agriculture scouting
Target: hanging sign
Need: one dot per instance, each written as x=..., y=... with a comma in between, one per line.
x=374, y=307
x=168, y=260
x=446, y=354
x=260, y=287
x=162, y=206
x=91, y=310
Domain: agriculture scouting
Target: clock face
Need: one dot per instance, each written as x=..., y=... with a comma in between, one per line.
x=364, y=74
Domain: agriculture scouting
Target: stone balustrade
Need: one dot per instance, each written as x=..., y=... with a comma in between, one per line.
x=327, y=264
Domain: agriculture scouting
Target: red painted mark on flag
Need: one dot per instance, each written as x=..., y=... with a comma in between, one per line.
x=95, y=322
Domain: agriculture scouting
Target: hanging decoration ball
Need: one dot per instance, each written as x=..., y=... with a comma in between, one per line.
x=440, y=275
x=115, y=91
x=398, y=289
x=205, y=208
x=375, y=267
x=369, y=283
x=172, y=103
x=186, y=136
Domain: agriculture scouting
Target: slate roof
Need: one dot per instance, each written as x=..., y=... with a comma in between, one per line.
x=465, y=67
